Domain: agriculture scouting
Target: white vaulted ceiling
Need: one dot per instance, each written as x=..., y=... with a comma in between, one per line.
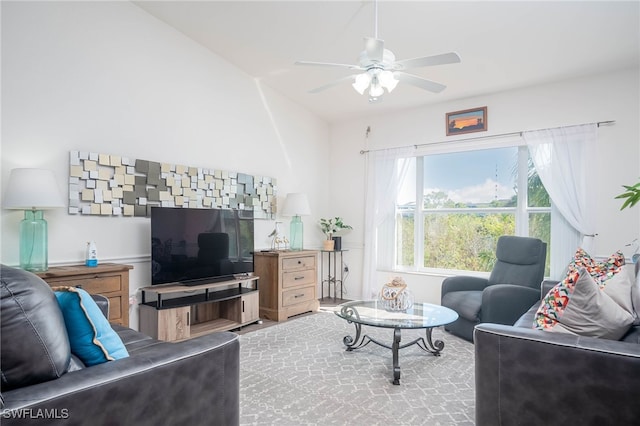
x=503, y=45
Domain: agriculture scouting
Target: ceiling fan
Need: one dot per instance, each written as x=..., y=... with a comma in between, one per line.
x=380, y=70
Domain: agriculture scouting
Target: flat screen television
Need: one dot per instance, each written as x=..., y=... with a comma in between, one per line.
x=195, y=246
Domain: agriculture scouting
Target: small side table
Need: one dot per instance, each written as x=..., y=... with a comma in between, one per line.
x=109, y=279
x=334, y=258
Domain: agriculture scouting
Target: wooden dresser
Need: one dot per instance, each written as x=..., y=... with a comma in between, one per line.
x=108, y=279
x=288, y=283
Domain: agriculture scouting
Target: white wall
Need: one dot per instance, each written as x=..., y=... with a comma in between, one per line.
x=613, y=96
x=107, y=77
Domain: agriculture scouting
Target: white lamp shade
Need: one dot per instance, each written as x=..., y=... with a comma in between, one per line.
x=388, y=80
x=362, y=82
x=32, y=189
x=296, y=204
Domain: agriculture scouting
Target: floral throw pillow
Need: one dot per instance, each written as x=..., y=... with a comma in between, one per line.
x=600, y=271
x=593, y=300
x=555, y=302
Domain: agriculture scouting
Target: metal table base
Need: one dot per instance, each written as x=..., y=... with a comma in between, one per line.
x=362, y=340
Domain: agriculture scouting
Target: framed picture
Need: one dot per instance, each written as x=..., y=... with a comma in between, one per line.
x=467, y=121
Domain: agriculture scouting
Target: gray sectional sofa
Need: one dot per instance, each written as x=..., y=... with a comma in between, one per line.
x=194, y=382
x=526, y=376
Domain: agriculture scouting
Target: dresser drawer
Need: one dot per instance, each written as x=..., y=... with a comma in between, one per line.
x=95, y=285
x=115, y=307
x=292, y=297
x=297, y=263
x=298, y=278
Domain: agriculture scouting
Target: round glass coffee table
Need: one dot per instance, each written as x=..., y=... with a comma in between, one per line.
x=372, y=313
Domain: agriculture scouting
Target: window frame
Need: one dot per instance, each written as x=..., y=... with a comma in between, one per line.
x=522, y=210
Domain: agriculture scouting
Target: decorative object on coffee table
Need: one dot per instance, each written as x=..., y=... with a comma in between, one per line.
x=395, y=297
x=33, y=190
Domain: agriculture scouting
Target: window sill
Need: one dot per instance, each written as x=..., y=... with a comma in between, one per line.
x=433, y=272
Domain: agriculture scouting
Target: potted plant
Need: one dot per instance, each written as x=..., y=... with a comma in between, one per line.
x=632, y=195
x=330, y=227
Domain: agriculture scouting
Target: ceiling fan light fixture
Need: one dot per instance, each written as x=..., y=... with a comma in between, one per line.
x=382, y=71
x=387, y=80
x=362, y=82
x=376, y=90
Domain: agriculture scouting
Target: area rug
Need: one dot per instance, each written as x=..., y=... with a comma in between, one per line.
x=298, y=373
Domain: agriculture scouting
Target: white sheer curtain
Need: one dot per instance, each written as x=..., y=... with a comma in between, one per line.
x=385, y=171
x=564, y=160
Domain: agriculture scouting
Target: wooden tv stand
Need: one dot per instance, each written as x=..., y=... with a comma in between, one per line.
x=181, y=312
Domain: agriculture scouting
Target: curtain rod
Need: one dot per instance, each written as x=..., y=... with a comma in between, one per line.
x=501, y=135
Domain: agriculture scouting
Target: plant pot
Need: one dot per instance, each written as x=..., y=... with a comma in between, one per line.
x=327, y=245
x=337, y=243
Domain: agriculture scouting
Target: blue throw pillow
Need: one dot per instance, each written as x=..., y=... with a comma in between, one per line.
x=91, y=337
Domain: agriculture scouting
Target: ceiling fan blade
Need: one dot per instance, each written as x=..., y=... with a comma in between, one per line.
x=374, y=48
x=349, y=78
x=420, y=82
x=328, y=64
x=442, y=59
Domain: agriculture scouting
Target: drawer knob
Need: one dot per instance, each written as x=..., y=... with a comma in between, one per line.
x=299, y=278
x=298, y=295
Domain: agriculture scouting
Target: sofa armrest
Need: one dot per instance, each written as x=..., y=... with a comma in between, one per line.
x=164, y=383
x=531, y=377
x=463, y=283
x=103, y=303
x=545, y=286
x=505, y=303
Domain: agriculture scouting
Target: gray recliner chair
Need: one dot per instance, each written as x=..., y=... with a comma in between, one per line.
x=511, y=289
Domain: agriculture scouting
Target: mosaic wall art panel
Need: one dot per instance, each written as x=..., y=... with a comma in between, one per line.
x=112, y=185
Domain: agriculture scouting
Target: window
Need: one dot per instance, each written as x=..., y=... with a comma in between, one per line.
x=453, y=207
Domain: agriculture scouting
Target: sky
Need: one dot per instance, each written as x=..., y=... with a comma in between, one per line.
x=470, y=177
